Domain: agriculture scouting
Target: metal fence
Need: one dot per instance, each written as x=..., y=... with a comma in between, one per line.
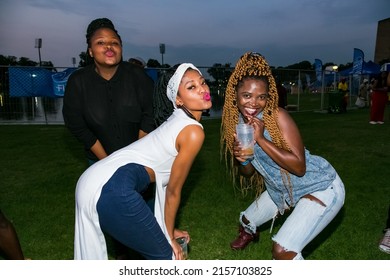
x=37, y=107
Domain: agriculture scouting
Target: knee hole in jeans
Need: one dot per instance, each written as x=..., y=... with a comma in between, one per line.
x=315, y=199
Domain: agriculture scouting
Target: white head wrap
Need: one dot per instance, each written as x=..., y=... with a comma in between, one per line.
x=174, y=81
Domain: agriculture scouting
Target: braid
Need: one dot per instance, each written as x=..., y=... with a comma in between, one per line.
x=250, y=65
x=163, y=107
x=98, y=24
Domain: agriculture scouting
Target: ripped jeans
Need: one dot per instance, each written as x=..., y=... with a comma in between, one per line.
x=304, y=223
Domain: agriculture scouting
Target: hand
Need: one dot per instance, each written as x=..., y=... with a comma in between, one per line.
x=177, y=249
x=237, y=150
x=259, y=127
x=177, y=233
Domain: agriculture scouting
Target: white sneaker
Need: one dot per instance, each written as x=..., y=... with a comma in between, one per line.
x=372, y=122
x=380, y=122
x=384, y=245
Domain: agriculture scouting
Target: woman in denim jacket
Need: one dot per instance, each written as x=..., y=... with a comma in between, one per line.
x=293, y=178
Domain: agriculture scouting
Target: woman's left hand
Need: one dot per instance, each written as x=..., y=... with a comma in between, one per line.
x=258, y=126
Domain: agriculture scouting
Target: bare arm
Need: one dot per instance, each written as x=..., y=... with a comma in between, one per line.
x=188, y=144
x=98, y=150
x=141, y=134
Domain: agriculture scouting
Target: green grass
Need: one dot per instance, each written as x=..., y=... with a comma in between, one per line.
x=41, y=164
x=307, y=101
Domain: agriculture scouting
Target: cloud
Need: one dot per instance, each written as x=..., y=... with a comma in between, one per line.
x=203, y=32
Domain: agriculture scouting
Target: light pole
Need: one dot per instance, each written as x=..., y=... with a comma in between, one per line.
x=38, y=45
x=74, y=61
x=334, y=67
x=162, y=51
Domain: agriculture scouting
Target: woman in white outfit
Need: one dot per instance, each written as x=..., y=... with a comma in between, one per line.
x=109, y=193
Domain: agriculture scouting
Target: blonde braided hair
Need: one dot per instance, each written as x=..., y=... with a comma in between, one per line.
x=250, y=65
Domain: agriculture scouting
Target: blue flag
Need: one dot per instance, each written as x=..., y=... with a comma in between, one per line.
x=358, y=59
x=318, y=68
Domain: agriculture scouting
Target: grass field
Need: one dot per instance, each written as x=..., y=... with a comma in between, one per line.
x=41, y=164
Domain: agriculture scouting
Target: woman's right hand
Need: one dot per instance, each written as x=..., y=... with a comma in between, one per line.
x=245, y=170
x=177, y=233
x=176, y=248
x=237, y=150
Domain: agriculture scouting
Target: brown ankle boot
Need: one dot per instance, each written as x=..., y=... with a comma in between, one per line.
x=243, y=239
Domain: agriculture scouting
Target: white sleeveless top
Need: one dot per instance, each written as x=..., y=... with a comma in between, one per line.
x=156, y=150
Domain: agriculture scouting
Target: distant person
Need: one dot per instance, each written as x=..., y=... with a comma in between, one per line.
x=364, y=89
x=384, y=244
x=109, y=103
x=295, y=181
x=152, y=73
x=379, y=98
x=362, y=98
x=343, y=88
x=138, y=61
x=9, y=241
x=282, y=94
x=108, y=194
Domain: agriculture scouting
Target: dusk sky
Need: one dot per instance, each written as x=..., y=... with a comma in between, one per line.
x=197, y=31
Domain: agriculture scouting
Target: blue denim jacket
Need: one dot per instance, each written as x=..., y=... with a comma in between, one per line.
x=319, y=175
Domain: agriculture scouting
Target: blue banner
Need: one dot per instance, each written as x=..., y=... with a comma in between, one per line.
x=30, y=82
x=318, y=68
x=37, y=82
x=358, y=59
x=59, y=81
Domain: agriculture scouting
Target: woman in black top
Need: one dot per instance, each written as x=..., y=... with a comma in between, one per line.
x=107, y=104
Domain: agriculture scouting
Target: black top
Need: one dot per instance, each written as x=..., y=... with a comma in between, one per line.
x=112, y=111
